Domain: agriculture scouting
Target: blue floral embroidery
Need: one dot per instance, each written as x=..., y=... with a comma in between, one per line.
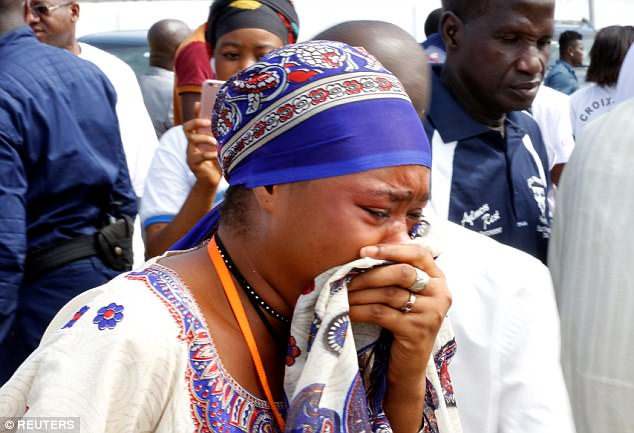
x=109, y=316
x=76, y=317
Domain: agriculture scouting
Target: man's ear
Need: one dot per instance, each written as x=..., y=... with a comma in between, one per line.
x=570, y=51
x=74, y=12
x=450, y=30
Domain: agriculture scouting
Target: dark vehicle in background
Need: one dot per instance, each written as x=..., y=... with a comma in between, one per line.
x=129, y=45
x=587, y=31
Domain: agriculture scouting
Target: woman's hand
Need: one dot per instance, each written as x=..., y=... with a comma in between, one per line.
x=202, y=154
x=382, y=296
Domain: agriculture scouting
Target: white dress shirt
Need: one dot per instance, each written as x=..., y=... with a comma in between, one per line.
x=506, y=370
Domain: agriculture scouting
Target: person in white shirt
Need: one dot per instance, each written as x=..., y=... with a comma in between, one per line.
x=506, y=370
x=606, y=56
x=57, y=28
x=590, y=260
x=551, y=110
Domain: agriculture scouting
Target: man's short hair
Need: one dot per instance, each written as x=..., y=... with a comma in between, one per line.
x=432, y=23
x=567, y=39
x=466, y=9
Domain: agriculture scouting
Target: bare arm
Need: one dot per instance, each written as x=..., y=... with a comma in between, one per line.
x=188, y=104
x=555, y=173
x=202, y=161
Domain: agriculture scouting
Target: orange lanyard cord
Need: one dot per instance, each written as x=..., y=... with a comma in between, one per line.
x=238, y=311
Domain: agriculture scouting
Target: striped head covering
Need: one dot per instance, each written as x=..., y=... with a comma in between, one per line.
x=307, y=111
x=275, y=16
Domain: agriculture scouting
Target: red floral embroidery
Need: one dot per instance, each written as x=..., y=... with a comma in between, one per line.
x=319, y=95
x=259, y=129
x=286, y=112
x=384, y=84
x=353, y=86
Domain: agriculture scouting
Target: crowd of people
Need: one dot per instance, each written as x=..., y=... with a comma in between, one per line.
x=370, y=233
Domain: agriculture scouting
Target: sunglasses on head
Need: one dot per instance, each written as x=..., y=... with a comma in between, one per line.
x=45, y=10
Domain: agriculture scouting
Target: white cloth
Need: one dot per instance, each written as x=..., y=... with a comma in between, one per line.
x=506, y=370
x=551, y=110
x=170, y=180
x=588, y=103
x=130, y=378
x=625, y=83
x=137, y=133
x=324, y=378
x=590, y=259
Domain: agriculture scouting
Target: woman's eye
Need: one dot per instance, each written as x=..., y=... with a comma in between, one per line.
x=378, y=213
x=230, y=56
x=416, y=216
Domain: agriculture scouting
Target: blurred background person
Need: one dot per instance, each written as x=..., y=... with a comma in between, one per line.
x=562, y=75
x=606, y=56
x=57, y=27
x=66, y=200
x=551, y=111
x=54, y=23
x=590, y=260
x=157, y=84
x=184, y=180
x=197, y=56
x=434, y=45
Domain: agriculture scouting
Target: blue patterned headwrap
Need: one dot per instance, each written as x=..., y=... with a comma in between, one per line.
x=308, y=111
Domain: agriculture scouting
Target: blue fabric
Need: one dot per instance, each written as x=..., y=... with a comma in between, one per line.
x=496, y=182
x=434, y=40
x=309, y=111
x=61, y=158
x=434, y=48
x=40, y=300
x=158, y=219
x=562, y=77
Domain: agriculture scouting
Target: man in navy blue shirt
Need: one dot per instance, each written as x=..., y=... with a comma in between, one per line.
x=562, y=76
x=490, y=167
x=63, y=176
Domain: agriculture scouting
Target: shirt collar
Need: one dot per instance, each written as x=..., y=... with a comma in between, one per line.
x=434, y=40
x=567, y=65
x=448, y=116
x=452, y=121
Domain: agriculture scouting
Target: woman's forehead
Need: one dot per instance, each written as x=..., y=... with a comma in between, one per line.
x=399, y=183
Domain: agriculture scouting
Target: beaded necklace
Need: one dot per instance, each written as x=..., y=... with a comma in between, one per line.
x=246, y=287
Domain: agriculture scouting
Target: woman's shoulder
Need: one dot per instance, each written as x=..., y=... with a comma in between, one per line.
x=138, y=307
